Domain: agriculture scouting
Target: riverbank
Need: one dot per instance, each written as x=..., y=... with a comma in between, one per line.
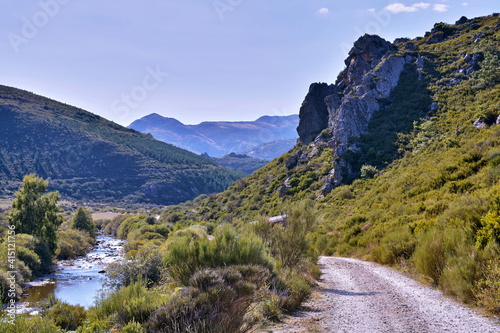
x=76, y=281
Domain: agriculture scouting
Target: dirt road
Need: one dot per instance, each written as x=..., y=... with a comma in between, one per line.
x=357, y=296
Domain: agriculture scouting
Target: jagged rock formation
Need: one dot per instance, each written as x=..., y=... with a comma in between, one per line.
x=346, y=107
x=314, y=112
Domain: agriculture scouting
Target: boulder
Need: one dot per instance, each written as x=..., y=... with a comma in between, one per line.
x=293, y=160
x=434, y=106
x=410, y=46
x=437, y=37
x=285, y=188
x=479, y=123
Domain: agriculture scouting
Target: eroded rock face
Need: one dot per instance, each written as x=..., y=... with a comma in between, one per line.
x=363, y=57
x=314, y=113
x=372, y=72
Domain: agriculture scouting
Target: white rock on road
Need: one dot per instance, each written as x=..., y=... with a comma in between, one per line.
x=357, y=296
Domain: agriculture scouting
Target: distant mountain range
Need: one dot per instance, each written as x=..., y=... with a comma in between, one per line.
x=89, y=158
x=218, y=139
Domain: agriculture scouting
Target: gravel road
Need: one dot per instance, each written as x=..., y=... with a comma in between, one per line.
x=357, y=296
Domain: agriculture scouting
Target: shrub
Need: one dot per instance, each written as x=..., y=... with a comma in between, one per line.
x=23, y=324
x=368, y=171
x=187, y=255
x=490, y=230
x=130, y=224
x=489, y=74
x=295, y=289
x=271, y=307
x=133, y=327
x=394, y=246
x=112, y=227
x=300, y=222
x=461, y=273
x=5, y=286
x=429, y=256
x=215, y=301
x=36, y=249
x=30, y=258
x=67, y=316
x=72, y=243
x=131, y=303
x=488, y=288
x=147, y=266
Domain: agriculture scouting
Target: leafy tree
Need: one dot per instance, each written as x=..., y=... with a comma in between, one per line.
x=36, y=213
x=82, y=220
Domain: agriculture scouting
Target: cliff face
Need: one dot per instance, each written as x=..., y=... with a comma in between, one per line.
x=346, y=107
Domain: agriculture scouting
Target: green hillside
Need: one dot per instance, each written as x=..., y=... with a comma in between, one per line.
x=89, y=158
x=424, y=191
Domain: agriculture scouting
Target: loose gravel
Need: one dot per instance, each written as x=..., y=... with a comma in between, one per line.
x=357, y=296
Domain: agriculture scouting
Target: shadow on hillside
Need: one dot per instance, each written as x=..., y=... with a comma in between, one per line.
x=409, y=102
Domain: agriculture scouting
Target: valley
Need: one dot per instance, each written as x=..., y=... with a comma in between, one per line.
x=395, y=174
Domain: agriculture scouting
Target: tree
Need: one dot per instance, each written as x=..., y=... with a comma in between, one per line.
x=82, y=220
x=36, y=213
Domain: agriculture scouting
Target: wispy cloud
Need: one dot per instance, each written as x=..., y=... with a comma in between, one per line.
x=323, y=11
x=464, y=3
x=371, y=10
x=397, y=7
x=440, y=8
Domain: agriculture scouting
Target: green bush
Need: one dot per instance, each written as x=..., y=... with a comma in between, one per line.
x=461, y=273
x=429, y=256
x=24, y=324
x=301, y=220
x=111, y=228
x=30, y=258
x=38, y=254
x=133, y=327
x=187, y=255
x=72, y=243
x=368, y=171
x=294, y=289
x=67, y=316
x=488, y=288
x=5, y=286
x=215, y=301
x=490, y=230
x=393, y=247
x=132, y=303
x=130, y=224
x=146, y=266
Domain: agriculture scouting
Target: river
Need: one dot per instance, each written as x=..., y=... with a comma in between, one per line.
x=78, y=281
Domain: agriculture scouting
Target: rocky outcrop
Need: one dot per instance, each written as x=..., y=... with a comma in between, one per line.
x=479, y=123
x=372, y=72
x=314, y=113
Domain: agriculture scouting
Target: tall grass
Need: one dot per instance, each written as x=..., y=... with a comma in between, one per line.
x=187, y=254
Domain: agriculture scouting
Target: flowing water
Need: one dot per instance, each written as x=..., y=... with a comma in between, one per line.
x=76, y=282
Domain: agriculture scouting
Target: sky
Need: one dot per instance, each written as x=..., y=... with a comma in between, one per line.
x=197, y=60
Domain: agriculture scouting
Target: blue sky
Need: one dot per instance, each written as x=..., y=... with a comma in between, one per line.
x=197, y=60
